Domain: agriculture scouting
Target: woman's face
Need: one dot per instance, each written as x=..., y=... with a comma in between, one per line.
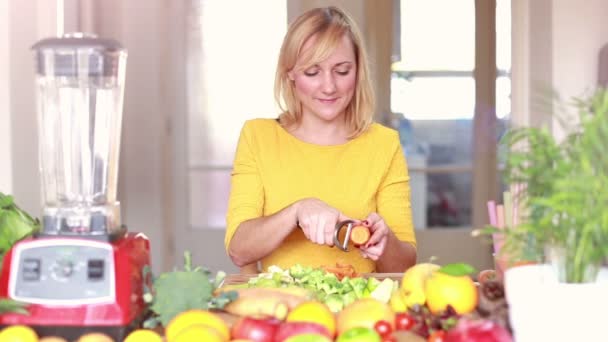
x=326, y=89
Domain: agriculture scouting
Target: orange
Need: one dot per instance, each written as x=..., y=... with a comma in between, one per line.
x=196, y=317
x=198, y=333
x=359, y=235
x=314, y=312
x=18, y=333
x=52, y=339
x=143, y=335
x=364, y=312
x=95, y=337
x=442, y=290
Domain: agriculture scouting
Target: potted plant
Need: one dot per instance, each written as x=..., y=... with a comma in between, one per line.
x=562, y=223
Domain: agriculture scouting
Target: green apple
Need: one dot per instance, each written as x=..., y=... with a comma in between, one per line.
x=308, y=337
x=359, y=334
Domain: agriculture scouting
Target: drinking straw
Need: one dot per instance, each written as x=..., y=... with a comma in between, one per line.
x=500, y=216
x=492, y=212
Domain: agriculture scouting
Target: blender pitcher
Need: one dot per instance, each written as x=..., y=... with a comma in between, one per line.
x=79, y=83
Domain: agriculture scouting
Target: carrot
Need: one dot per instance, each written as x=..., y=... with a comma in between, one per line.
x=359, y=235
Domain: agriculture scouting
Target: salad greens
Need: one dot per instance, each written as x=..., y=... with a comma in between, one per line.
x=335, y=293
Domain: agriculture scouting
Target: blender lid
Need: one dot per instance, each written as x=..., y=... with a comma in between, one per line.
x=64, y=52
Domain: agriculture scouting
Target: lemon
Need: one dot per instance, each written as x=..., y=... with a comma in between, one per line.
x=397, y=302
x=196, y=317
x=314, y=312
x=198, y=333
x=18, y=333
x=95, y=337
x=143, y=335
x=413, y=283
x=52, y=339
x=364, y=312
x=458, y=291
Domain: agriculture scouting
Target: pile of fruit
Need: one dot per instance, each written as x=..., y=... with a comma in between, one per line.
x=431, y=303
x=302, y=304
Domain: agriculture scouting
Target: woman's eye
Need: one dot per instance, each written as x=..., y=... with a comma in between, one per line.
x=342, y=72
x=311, y=73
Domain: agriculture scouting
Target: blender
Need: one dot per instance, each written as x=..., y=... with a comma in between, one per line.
x=83, y=271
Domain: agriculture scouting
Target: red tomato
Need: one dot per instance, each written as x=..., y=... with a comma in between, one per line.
x=383, y=328
x=404, y=321
x=437, y=336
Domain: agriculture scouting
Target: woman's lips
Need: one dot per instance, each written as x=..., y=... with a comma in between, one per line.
x=328, y=101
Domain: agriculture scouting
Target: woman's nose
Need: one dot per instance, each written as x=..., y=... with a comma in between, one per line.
x=329, y=83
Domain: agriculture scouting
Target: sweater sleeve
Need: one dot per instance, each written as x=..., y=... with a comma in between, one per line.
x=394, y=197
x=246, y=199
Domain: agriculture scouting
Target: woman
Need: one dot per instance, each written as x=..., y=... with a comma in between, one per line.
x=321, y=162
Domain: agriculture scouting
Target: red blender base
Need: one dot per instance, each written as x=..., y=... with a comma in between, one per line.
x=77, y=285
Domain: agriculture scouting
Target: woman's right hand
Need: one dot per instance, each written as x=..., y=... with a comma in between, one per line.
x=318, y=220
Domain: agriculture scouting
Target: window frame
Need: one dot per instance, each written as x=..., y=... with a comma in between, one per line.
x=483, y=168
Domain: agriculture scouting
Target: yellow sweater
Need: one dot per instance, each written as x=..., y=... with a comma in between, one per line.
x=273, y=169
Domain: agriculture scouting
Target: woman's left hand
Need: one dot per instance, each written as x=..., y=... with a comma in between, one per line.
x=374, y=248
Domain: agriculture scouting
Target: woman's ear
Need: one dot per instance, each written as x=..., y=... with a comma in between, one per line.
x=290, y=75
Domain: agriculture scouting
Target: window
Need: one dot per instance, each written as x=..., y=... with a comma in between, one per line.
x=433, y=95
x=225, y=89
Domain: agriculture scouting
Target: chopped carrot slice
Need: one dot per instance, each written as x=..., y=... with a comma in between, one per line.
x=359, y=235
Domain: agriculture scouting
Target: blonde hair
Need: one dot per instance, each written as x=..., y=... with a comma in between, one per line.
x=329, y=25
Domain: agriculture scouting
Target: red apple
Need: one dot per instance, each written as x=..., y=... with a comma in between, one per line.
x=255, y=329
x=289, y=329
x=477, y=330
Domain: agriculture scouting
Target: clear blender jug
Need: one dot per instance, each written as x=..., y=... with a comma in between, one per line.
x=79, y=83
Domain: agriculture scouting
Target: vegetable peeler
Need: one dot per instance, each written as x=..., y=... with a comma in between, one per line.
x=343, y=245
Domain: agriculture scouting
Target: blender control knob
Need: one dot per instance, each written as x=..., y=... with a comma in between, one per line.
x=63, y=268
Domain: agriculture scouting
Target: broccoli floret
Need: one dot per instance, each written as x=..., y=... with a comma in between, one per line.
x=334, y=302
x=372, y=283
x=298, y=271
x=265, y=282
x=345, y=287
x=358, y=285
x=348, y=298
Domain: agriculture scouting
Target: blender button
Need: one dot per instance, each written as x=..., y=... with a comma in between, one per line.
x=95, y=269
x=31, y=269
x=31, y=264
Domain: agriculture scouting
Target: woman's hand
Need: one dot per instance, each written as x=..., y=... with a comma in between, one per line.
x=374, y=248
x=318, y=220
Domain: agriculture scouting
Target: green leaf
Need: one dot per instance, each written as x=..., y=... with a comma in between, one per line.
x=11, y=306
x=457, y=269
x=5, y=201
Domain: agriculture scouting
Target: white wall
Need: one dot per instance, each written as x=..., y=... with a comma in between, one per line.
x=6, y=180
x=555, y=47
x=139, y=26
x=21, y=105
x=579, y=32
